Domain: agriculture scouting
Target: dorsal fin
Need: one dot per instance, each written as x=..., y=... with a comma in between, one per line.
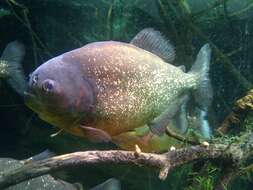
x=154, y=42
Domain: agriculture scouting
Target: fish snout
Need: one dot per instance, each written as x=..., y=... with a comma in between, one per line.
x=33, y=85
x=33, y=81
x=30, y=92
x=29, y=97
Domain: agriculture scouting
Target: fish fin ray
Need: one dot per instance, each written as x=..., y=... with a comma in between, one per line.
x=13, y=54
x=96, y=135
x=204, y=93
x=154, y=42
x=159, y=124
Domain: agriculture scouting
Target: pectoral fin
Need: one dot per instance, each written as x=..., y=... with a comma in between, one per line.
x=159, y=124
x=96, y=135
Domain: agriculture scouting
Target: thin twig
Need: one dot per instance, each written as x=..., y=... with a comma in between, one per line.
x=243, y=10
x=187, y=21
x=179, y=137
x=168, y=22
x=207, y=10
x=227, y=63
x=27, y=24
x=109, y=21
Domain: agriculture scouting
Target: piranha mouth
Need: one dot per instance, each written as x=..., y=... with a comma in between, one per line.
x=29, y=97
x=31, y=101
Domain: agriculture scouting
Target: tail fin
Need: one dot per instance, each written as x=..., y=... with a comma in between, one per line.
x=201, y=121
x=13, y=55
x=205, y=127
x=203, y=93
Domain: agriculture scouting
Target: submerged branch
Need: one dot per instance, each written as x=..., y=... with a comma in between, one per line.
x=179, y=137
x=164, y=162
x=235, y=153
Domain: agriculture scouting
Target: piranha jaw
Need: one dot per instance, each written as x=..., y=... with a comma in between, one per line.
x=54, y=117
x=31, y=102
x=58, y=111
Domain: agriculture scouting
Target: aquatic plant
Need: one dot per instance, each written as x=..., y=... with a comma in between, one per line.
x=4, y=12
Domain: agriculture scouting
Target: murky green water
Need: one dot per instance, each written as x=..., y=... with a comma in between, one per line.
x=48, y=28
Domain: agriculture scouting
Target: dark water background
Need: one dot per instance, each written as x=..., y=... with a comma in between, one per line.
x=51, y=27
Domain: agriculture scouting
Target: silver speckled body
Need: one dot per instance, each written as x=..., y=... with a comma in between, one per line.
x=132, y=86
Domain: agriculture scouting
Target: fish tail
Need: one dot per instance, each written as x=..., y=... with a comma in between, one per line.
x=203, y=92
x=205, y=127
x=12, y=56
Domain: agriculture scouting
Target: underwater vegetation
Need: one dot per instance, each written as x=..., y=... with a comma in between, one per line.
x=208, y=141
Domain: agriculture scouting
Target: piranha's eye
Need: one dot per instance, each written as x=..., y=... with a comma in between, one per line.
x=48, y=85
